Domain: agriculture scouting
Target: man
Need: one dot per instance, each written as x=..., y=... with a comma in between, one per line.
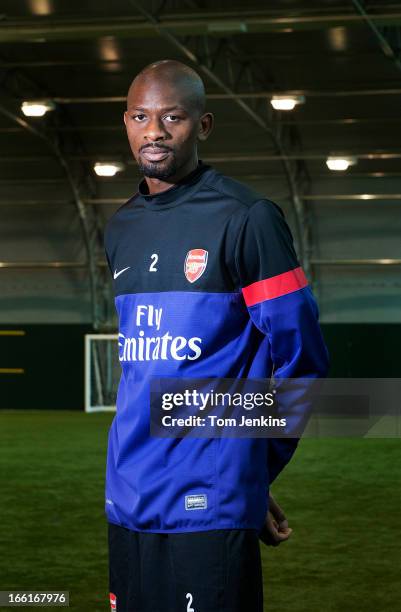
x=207, y=284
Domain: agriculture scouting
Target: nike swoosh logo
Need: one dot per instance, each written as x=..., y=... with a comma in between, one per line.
x=116, y=274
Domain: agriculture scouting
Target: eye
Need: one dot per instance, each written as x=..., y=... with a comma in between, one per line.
x=138, y=117
x=172, y=118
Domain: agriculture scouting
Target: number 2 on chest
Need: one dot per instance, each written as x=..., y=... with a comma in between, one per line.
x=152, y=267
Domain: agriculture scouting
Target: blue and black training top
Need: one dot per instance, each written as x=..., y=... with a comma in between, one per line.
x=207, y=284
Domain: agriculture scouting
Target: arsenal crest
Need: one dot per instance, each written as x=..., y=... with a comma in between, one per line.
x=195, y=264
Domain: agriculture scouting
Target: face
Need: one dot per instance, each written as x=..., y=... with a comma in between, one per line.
x=163, y=128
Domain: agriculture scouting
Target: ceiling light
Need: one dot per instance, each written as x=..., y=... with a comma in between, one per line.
x=338, y=38
x=41, y=7
x=340, y=163
x=108, y=168
x=286, y=102
x=110, y=53
x=37, y=108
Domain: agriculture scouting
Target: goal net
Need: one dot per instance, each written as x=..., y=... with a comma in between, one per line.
x=102, y=372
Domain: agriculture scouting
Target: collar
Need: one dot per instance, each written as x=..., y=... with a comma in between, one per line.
x=177, y=193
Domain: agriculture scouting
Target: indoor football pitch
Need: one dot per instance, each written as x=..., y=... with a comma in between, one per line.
x=342, y=498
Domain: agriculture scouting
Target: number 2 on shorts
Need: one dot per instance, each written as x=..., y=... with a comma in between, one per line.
x=190, y=600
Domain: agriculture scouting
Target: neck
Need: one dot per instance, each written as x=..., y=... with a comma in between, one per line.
x=158, y=185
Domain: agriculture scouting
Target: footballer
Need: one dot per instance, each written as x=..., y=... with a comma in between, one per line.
x=207, y=284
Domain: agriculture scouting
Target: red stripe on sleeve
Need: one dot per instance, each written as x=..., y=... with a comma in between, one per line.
x=274, y=287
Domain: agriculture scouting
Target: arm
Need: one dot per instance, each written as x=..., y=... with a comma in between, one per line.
x=281, y=305
x=108, y=261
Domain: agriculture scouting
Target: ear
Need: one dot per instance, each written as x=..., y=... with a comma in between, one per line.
x=125, y=118
x=206, y=123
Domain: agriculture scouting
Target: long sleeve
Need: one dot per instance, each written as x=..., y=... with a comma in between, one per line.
x=281, y=305
x=106, y=250
x=108, y=263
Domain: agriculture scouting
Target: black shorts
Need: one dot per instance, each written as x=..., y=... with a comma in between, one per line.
x=206, y=571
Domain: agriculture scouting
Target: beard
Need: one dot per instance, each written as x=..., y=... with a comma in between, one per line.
x=158, y=170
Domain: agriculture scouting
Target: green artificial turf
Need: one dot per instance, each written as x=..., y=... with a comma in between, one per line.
x=343, y=500
x=342, y=497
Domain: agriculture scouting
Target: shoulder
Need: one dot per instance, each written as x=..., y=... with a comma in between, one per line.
x=265, y=211
x=251, y=203
x=232, y=189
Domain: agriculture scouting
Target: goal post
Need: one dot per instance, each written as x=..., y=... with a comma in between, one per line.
x=102, y=372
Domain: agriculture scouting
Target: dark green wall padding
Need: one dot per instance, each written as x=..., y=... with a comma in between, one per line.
x=53, y=359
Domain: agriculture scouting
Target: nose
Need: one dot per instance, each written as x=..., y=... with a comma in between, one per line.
x=155, y=130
